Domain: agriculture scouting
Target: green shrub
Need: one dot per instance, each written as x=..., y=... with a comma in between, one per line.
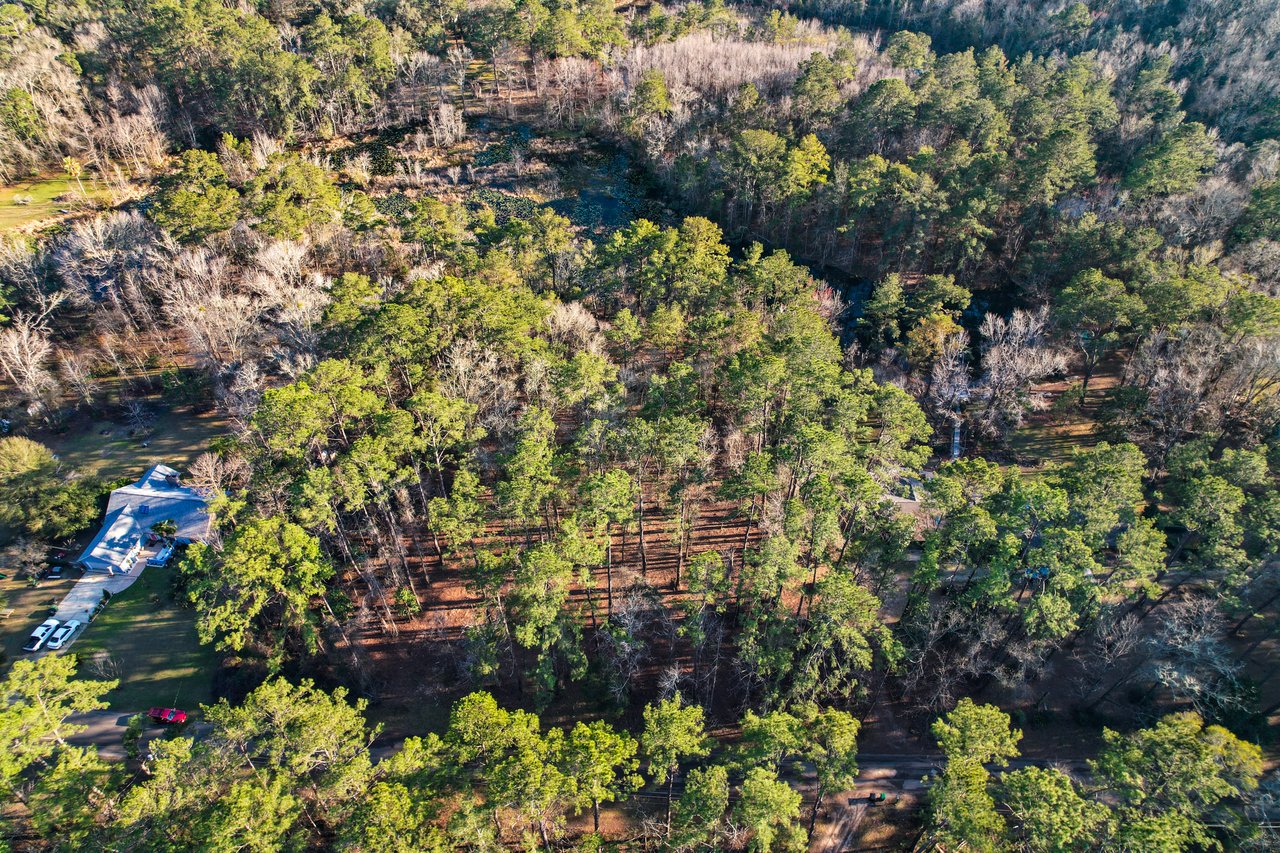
x=407, y=603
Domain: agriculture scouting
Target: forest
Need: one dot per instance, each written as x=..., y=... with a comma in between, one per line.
x=830, y=425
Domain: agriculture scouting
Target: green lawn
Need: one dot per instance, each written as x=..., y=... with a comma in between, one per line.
x=43, y=192
x=149, y=642
x=30, y=607
x=1038, y=443
x=177, y=437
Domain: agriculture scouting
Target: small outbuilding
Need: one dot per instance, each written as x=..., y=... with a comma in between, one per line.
x=133, y=511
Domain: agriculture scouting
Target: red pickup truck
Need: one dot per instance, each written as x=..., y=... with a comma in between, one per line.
x=167, y=716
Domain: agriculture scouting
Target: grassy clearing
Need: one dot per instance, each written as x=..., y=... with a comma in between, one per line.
x=148, y=641
x=1039, y=443
x=1067, y=424
x=30, y=607
x=144, y=637
x=43, y=193
x=176, y=438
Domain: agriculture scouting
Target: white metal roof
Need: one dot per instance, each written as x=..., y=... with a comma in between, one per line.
x=131, y=511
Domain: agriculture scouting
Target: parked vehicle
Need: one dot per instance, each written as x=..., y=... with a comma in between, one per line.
x=162, y=556
x=167, y=716
x=65, y=632
x=40, y=634
x=50, y=573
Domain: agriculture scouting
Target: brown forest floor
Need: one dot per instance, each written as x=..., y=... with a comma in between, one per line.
x=419, y=672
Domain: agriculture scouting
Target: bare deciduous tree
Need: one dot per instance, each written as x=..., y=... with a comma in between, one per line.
x=476, y=375
x=572, y=324
x=1016, y=354
x=447, y=125
x=32, y=64
x=77, y=377
x=283, y=260
x=22, y=266
x=360, y=168
x=1204, y=215
x=297, y=321
x=112, y=265
x=130, y=129
x=25, y=351
x=716, y=67
x=218, y=321
x=948, y=390
x=138, y=417
x=1116, y=635
x=1195, y=665
x=241, y=393
x=1260, y=259
x=214, y=474
x=261, y=149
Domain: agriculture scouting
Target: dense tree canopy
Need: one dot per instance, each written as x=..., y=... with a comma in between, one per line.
x=681, y=395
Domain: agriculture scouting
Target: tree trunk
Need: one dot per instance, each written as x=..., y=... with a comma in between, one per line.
x=355, y=658
x=671, y=783
x=644, y=561
x=1118, y=682
x=751, y=518
x=1168, y=592
x=1266, y=635
x=388, y=619
x=591, y=602
x=813, y=815
x=393, y=530
x=846, y=530
x=1178, y=549
x=440, y=472
x=1254, y=611
x=684, y=535
x=1090, y=365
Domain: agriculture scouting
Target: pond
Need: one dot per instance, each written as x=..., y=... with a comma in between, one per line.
x=604, y=191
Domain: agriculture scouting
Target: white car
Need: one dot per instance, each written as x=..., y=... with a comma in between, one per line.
x=64, y=633
x=40, y=634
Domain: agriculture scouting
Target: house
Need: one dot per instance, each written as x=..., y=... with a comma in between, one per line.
x=131, y=512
